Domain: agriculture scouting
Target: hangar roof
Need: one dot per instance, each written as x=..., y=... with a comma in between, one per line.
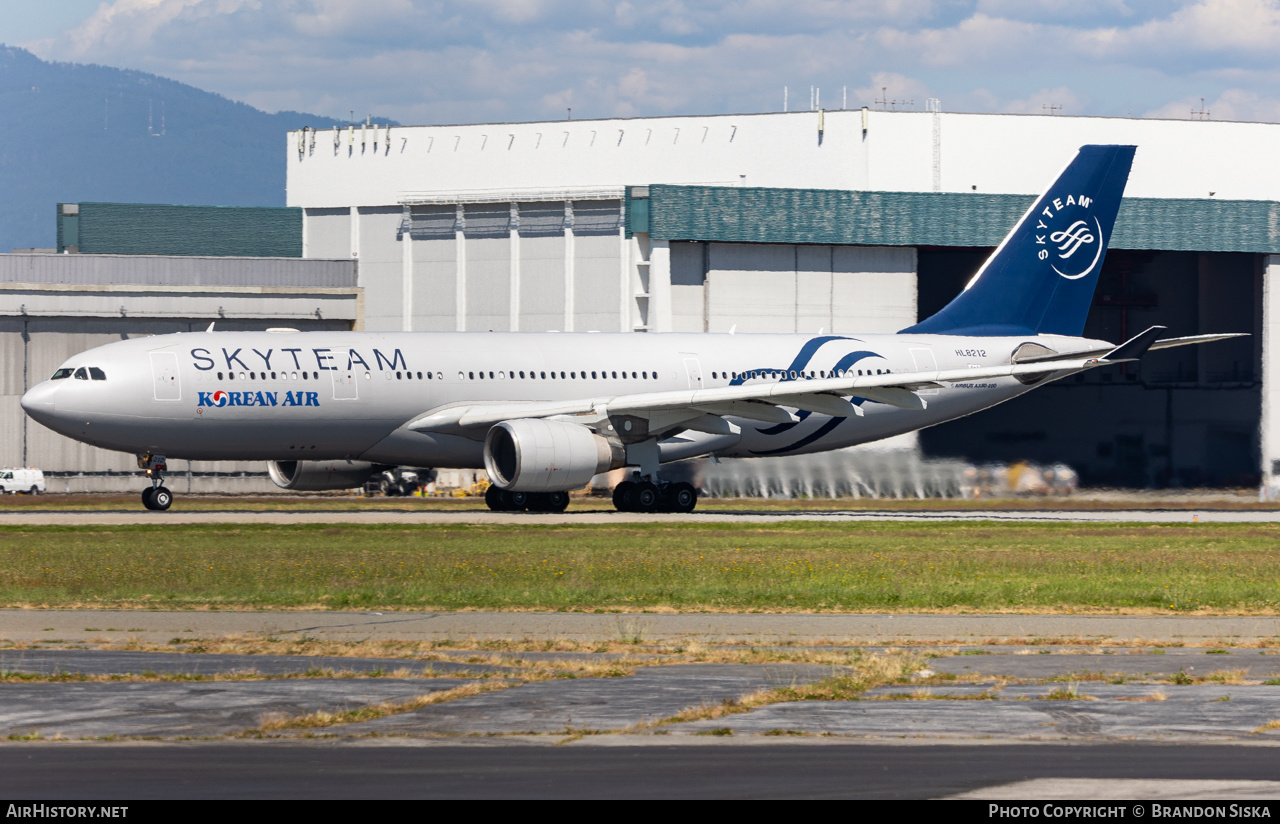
x=765, y=215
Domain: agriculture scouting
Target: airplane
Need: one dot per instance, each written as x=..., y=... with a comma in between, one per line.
x=544, y=412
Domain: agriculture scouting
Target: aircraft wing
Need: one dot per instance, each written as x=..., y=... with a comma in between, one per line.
x=770, y=402
x=757, y=401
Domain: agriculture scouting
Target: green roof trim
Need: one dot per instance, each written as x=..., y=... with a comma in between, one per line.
x=159, y=229
x=829, y=216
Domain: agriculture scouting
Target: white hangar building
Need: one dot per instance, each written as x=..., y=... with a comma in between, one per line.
x=843, y=221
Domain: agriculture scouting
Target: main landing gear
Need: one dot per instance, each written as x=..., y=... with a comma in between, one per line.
x=156, y=496
x=645, y=496
x=505, y=500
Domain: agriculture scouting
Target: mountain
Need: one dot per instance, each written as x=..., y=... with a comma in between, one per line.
x=74, y=133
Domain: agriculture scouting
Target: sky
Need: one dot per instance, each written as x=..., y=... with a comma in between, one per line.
x=474, y=61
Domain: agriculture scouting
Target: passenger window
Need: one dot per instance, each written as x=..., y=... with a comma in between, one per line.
x=593, y=376
x=615, y=375
x=471, y=375
x=81, y=374
x=97, y=374
x=61, y=374
x=522, y=375
x=542, y=375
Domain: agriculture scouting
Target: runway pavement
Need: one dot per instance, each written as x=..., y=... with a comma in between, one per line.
x=596, y=768
x=45, y=517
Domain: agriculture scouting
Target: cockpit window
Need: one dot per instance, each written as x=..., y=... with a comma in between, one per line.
x=81, y=374
x=61, y=373
x=97, y=374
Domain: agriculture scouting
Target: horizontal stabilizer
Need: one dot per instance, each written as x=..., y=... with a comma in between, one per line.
x=1135, y=347
x=1190, y=340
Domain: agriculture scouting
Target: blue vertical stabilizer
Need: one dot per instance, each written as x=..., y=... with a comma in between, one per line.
x=1040, y=280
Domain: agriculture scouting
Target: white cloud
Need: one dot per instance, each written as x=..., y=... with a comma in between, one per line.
x=1044, y=101
x=475, y=60
x=1233, y=104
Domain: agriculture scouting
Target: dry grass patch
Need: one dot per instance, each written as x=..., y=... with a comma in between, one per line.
x=1158, y=695
x=1068, y=693
x=1226, y=676
x=147, y=676
x=871, y=671
x=315, y=720
x=1268, y=727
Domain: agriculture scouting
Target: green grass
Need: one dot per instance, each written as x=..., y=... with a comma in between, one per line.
x=785, y=566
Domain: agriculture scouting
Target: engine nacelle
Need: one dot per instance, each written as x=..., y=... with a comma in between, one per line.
x=532, y=455
x=310, y=476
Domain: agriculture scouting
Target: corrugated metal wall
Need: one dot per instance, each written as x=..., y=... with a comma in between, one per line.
x=152, y=270
x=597, y=284
x=381, y=266
x=159, y=229
x=756, y=215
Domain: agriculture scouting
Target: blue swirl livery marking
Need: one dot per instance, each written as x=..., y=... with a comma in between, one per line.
x=843, y=364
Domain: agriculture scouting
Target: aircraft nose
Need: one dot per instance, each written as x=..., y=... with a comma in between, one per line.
x=38, y=402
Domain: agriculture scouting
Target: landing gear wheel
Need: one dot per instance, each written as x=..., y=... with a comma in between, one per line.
x=645, y=497
x=493, y=499
x=516, y=501
x=683, y=497
x=146, y=497
x=622, y=496
x=557, y=501
x=161, y=498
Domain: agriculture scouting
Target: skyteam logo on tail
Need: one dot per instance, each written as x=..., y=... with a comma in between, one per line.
x=1069, y=236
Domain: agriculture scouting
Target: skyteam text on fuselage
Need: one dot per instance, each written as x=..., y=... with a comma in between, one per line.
x=544, y=412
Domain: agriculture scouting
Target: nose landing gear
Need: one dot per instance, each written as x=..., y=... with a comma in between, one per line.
x=156, y=496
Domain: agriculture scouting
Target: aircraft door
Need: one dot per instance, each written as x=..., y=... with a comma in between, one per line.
x=164, y=374
x=694, y=372
x=925, y=362
x=345, y=387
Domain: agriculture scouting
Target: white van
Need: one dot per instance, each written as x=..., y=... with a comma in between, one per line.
x=22, y=480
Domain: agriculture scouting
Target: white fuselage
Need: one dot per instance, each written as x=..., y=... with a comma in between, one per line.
x=287, y=396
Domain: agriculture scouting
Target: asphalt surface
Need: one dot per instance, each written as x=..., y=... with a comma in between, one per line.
x=599, y=768
x=177, y=515
x=161, y=626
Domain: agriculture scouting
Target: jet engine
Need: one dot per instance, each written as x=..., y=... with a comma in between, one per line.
x=309, y=476
x=531, y=455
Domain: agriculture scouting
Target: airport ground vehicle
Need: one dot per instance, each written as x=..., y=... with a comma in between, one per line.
x=398, y=481
x=543, y=413
x=22, y=481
